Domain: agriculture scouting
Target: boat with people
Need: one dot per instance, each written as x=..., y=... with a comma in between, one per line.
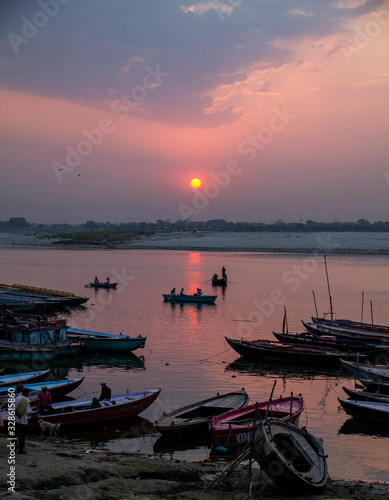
x=273, y=351
x=236, y=427
x=366, y=410
x=101, y=284
x=23, y=377
x=182, y=298
x=220, y=281
x=292, y=457
x=56, y=388
x=91, y=411
x=106, y=342
x=196, y=417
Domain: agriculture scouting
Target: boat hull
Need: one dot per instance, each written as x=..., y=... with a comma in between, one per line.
x=236, y=427
x=265, y=351
x=205, y=299
x=22, y=378
x=363, y=371
x=103, y=285
x=197, y=416
x=83, y=412
x=56, y=388
x=292, y=457
x=366, y=410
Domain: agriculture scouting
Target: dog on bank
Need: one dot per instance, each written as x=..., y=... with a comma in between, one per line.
x=47, y=426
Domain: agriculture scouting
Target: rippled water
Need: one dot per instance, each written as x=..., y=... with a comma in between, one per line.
x=186, y=354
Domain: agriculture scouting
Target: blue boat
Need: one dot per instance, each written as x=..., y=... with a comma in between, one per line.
x=198, y=299
x=16, y=378
x=106, y=342
x=55, y=387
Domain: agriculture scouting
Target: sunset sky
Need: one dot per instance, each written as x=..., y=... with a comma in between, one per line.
x=111, y=108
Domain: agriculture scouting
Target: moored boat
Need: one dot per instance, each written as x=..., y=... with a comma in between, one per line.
x=106, y=342
x=236, y=427
x=366, y=410
x=16, y=378
x=55, y=387
x=366, y=395
x=199, y=299
x=91, y=411
x=196, y=416
x=343, y=332
x=267, y=350
x=291, y=456
x=366, y=371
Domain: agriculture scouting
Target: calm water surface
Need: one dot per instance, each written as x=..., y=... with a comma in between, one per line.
x=186, y=354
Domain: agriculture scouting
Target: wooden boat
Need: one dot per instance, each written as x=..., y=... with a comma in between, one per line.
x=347, y=333
x=365, y=371
x=236, y=427
x=16, y=378
x=55, y=387
x=346, y=323
x=91, y=411
x=49, y=297
x=347, y=345
x=267, y=350
x=106, y=342
x=199, y=299
x=366, y=395
x=217, y=281
x=366, y=410
x=375, y=385
x=102, y=284
x=196, y=416
x=292, y=457
x=23, y=333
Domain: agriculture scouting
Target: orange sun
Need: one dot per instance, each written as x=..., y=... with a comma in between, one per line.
x=195, y=183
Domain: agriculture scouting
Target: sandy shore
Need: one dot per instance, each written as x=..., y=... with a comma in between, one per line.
x=53, y=471
x=348, y=243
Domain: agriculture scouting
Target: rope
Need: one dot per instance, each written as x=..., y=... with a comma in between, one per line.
x=206, y=359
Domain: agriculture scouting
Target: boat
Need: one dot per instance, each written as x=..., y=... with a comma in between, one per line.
x=346, y=323
x=236, y=427
x=375, y=385
x=106, y=342
x=267, y=350
x=291, y=456
x=197, y=416
x=199, y=299
x=366, y=395
x=50, y=298
x=91, y=411
x=102, y=284
x=347, y=333
x=366, y=410
x=16, y=378
x=29, y=334
x=55, y=387
x=309, y=339
x=220, y=281
x=365, y=371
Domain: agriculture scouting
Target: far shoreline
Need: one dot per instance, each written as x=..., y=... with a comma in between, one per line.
x=338, y=243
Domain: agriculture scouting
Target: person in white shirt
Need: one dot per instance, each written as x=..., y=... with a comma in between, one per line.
x=22, y=411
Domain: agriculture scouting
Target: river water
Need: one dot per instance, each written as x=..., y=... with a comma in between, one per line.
x=186, y=354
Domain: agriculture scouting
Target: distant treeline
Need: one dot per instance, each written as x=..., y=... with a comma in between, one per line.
x=309, y=226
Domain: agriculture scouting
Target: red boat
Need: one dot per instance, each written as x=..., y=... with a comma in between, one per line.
x=235, y=428
x=91, y=411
